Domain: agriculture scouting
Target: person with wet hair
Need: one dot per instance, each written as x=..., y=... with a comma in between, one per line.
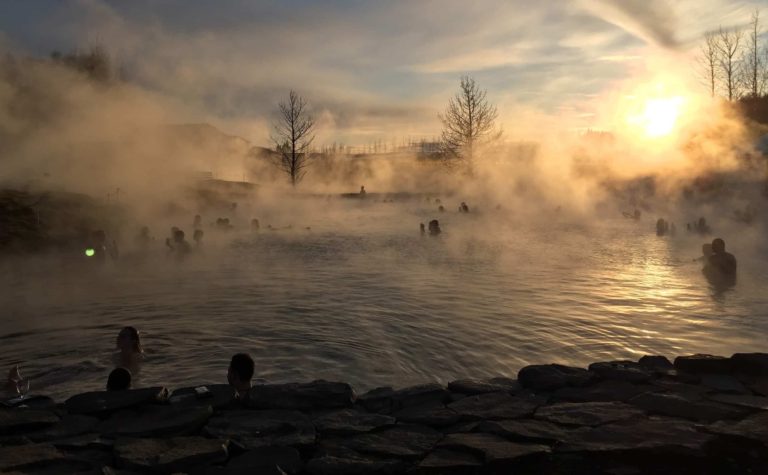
x=721, y=261
x=130, y=352
x=119, y=380
x=240, y=373
x=180, y=247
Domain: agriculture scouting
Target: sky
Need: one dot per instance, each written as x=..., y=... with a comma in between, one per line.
x=375, y=70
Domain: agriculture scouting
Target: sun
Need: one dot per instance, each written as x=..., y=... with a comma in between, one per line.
x=657, y=116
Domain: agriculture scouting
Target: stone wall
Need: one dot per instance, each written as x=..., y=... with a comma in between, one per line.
x=702, y=414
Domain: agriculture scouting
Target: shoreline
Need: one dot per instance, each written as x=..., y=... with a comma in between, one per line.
x=700, y=414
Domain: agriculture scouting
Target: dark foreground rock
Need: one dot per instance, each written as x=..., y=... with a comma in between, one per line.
x=704, y=415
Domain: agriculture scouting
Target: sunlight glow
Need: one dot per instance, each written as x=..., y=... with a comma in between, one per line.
x=658, y=116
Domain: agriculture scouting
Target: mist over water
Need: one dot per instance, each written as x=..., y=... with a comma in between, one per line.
x=362, y=297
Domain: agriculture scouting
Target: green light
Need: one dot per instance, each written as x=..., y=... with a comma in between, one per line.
x=90, y=252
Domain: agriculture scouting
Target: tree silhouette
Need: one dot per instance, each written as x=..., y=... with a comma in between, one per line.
x=729, y=46
x=293, y=136
x=468, y=120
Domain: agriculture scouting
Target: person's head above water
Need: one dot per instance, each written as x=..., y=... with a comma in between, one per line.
x=718, y=246
x=119, y=379
x=178, y=235
x=129, y=341
x=240, y=372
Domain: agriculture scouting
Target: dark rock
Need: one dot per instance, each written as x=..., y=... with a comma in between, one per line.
x=602, y=391
x=628, y=371
x=219, y=396
x=84, y=442
x=465, y=426
x=401, y=441
x=318, y=394
x=156, y=421
x=637, y=434
x=253, y=429
x=31, y=402
x=754, y=427
x=176, y=454
x=377, y=400
x=71, y=425
x=527, y=430
x=494, y=406
x=655, y=363
x=478, y=386
x=19, y=420
x=552, y=376
x=587, y=413
x=744, y=400
x=723, y=383
x=351, y=421
x=750, y=363
x=433, y=415
x=703, y=364
x=495, y=450
x=672, y=386
x=287, y=459
x=102, y=402
x=676, y=405
x=449, y=462
x=759, y=386
x=36, y=458
x=351, y=463
x=430, y=393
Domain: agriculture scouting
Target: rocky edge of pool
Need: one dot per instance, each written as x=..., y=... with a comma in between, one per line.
x=702, y=414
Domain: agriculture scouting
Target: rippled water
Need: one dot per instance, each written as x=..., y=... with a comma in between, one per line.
x=361, y=297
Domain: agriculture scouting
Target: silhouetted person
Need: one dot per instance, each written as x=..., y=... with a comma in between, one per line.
x=421, y=229
x=240, y=373
x=721, y=261
x=143, y=239
x=362, y=191
x=130, y=352
x=702, y=227
x=255, y=224
x=179, y=246
x=441, y=209
x=198, y=237
x=463, y=208
x=198, y=222
x=119, y=380
x=434, y=228
x=662, y=227
x=706, y=251
x=98, y=249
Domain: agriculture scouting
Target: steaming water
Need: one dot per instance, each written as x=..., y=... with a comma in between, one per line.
x=361, y=297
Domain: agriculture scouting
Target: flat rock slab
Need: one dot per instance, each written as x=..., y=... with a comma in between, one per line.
x=677, y=405
x=754, y=427
x=28, y=456
x=603, y=391
x=588, y=413
x=638, y=434
x=18, y=421
x=254, y=429
x=70, y=425
x=219, y=396
x=400, y=441
x=481, y=386
x=101, y=402
x=169, y=455
x=448, y=462
x=753, y=402
x=628, y=371
x=156, y=421
x=351, y=421
x=723, y=383
x=500, y=405
x=655, y=363
x=286, y=459
x=528, y=430
x=351, y=463
x=318, y=394
x=552, y=376
x=703, y=364
x=432, y=415
x=750, y=363
x=494, y=449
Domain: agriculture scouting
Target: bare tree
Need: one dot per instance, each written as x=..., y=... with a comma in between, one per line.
x=708, y=59
x=754, y=71
x=293, y=136
x=729, y=46
x=467, y=120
